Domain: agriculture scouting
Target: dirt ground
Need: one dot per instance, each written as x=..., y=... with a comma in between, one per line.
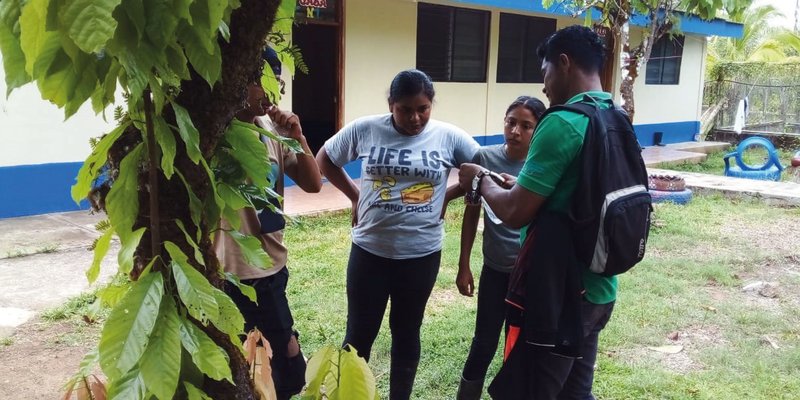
x=41, y=356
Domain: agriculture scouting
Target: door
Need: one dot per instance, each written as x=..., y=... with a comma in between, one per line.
x=316, y=96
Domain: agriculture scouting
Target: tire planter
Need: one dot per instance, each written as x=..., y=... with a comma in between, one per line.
x=666, y=183
x=678, y=197
x=771, y=174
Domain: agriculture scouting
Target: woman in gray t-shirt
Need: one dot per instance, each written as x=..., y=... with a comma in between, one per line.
x=500, y=245
x=397, y=230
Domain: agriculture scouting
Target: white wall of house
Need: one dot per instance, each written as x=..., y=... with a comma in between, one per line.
x=34, y=130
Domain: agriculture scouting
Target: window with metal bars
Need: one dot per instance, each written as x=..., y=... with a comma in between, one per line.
x=520, y=35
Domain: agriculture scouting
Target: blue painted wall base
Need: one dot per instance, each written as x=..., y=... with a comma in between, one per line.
x=45, y=188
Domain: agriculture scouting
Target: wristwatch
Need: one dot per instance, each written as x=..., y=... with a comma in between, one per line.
x=474, y=195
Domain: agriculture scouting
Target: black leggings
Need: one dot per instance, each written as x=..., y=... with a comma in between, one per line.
x=489, y=322
x=371, y=281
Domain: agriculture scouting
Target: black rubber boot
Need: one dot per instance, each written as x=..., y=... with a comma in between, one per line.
x=469, y=390
x=401, y=379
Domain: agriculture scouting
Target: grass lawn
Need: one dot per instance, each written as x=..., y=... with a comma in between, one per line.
x=688, y=293
x=689, y=288
x=715, y=165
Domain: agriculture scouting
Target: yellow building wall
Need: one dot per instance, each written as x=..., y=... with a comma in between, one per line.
x=380, y=41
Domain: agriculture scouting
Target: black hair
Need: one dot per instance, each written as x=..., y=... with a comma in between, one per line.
x=409, y=83
x=534, y=105
x=581, y=44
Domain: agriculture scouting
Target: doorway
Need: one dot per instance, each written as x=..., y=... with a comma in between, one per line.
x=316, y=96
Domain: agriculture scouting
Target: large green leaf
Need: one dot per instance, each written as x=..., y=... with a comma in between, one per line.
x=209, y=358
x=166, y=140
x=89, y=22
x=122, y=202
x=203, y=53
x=214, y=204
x=90, y=168
x=188, y=132
x=60, y=80
x=85, y=85
x=127, y=250
x=194, y=393
x=216, y=10
x=39, y=45
x=195, y=206
x=129, y=387
x=284, y=17
x=161, y=23
x=100, y=251
x=230, y=318
x=246, y=290
x=249, y=151
x=161, y=363
x=233, y=198
x=194, y=289
x=198, y=256
x=13, y=57
x=320, y=372
x=355, y=378
x=252, y=251
x=129, y=326
x=292, y=144
x=177, y=61
x=135, y=11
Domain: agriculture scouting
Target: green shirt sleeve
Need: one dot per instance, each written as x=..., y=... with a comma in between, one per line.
x=555, y=145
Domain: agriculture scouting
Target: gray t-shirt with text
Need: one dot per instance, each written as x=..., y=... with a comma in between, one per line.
x=403, y=182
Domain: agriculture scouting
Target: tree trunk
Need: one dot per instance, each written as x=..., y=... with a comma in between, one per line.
x=211, y=111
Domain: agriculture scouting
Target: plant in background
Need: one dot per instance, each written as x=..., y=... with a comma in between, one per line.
x=662, y=18
x=165, y=175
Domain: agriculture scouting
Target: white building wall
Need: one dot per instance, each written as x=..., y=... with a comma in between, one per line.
x=34, y=130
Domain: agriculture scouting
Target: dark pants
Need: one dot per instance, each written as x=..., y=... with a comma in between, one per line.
x=534, y=373
x=371, y=282
x=491, y=315
x=274, y=319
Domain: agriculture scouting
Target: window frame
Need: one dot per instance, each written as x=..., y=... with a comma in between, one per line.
x=450, y=58
x=660, y=47
x=529, y=61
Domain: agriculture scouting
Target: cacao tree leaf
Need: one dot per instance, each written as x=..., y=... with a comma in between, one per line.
x=177, y=61
x=39, y=45
x=233, y=198
x=216, y=10
x=198, y=256
x=249, y=151
x=129, y=386
x=85, y=367
x=10, y=47
x=355, y=378
x=166, y=140
x=128, y=244
x=161, y=362
x=194, y=289
x=181, y=9
x=252, y=252
x=225, y=31
x=135, y=11
x=207, y=63
x=59, y=81
x=284, y=17
x=188, y=132
x=209, y=358
x=194, y=393
x=100, y=251
x=214, y=204
x=84, y=87
x=292, y=144
x=122, y=202
x=90, y=168
x=319, y=372
x=112, y=294
x=246, y=290
x=129, y=326
x=89, y=22
x=161, y=23
x=230, y=319
x=195, y=206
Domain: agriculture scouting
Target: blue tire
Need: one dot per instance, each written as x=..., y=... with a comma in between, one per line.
x=770, y=174
x=680, y=197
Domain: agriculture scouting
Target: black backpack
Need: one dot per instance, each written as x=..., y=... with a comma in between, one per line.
x=611, y=206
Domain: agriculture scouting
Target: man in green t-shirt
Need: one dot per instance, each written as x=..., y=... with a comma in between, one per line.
x=571, y=61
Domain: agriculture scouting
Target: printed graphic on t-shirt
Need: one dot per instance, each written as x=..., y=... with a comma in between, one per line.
x=403, y=180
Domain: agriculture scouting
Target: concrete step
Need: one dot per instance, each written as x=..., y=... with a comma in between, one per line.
x=700, y=147
x=658, y=155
